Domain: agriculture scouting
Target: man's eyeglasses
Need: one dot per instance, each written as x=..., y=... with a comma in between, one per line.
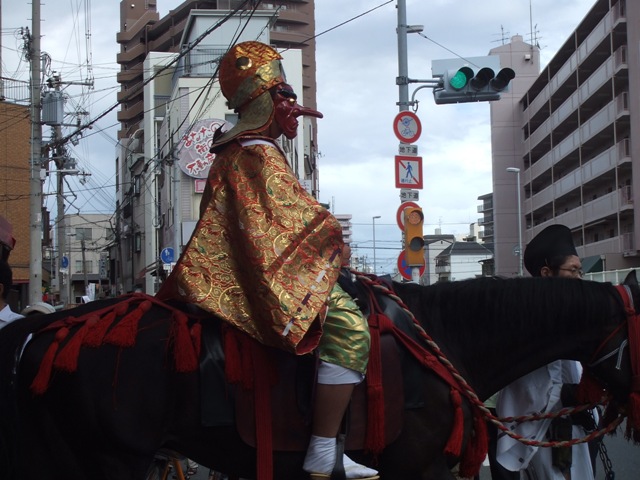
x=575, y=272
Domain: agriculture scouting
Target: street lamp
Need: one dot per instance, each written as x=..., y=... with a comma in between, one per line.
x=374, y=242
x=517, y=172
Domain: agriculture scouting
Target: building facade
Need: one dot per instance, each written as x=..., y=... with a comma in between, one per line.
x=89, y=236
x=574, y=136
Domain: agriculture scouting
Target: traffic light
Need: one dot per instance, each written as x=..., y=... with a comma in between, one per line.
x=413, y=237
x=468, y=85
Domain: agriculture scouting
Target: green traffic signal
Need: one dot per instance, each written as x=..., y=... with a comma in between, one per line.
x=460, y=79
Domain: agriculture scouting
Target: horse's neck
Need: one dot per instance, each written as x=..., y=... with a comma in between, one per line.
x=524, y=348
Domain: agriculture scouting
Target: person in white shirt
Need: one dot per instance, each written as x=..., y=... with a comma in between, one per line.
x=6, y=281
x=550, y=254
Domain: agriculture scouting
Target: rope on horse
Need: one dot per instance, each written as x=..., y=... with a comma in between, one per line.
x=373, y=282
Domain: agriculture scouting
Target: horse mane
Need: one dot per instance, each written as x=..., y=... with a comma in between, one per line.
x=492, y=310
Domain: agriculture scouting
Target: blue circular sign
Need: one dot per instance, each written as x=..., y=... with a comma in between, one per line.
x=64, y=262
x=166, y=255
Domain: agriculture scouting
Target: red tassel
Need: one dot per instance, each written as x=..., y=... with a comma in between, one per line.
x=183, y=350
x=124, y=333
x=633, y=419
x=67, y=359
x=196, y=338
x=98, y=329
x=454, y=445
x=375, y=439
x=589, y=390
x=41, y=380
x=476, y=450
x=232, y=356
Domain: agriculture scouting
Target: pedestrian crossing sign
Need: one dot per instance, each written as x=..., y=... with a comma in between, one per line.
x=408, y=172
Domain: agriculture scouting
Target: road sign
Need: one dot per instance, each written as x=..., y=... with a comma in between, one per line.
x=400, y=213
x=166, y=255
x=408, y=172
x=408, y=195
x=405, y=270
x=407, y=127
x=64, y=262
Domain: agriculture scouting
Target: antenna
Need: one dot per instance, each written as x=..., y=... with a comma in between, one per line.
x=531, y=22
x=503, y=36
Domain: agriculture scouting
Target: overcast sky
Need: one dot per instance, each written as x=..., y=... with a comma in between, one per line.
x=357, y=67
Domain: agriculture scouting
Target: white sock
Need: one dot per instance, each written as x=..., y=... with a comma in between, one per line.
x=321, y=458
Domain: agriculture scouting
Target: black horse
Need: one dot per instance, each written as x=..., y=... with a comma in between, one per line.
x=105, y=420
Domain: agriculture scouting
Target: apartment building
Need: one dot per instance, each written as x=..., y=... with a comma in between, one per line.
x=573, y=133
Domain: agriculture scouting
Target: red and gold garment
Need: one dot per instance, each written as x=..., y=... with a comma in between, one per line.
x=265, y=254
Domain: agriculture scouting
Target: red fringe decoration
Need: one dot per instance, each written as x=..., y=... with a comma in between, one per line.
x=632, y=431
x=41, y=380
x=124, y=333
x=67, y=359
x=454, y=445
x=476, y=449
x=98, y=329
x=184, y=351
x=375, y=439
x=232, y=356
x=589, y=390
x=262, y=409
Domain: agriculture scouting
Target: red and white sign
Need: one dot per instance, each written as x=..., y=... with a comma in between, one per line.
x=400, y=213
x=407, y=127
x=194, y=158
x=405, y=270
x=408, y=172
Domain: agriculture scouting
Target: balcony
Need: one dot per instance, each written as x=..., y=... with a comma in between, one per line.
x=136, y=52
x=134, y=111
x=443, y=266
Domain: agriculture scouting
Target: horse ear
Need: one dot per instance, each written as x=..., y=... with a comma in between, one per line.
x=631, y=279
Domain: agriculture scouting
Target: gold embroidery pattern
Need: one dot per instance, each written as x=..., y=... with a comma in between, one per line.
x=264, y=255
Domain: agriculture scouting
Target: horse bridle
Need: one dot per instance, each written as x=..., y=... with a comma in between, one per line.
x=623, y=344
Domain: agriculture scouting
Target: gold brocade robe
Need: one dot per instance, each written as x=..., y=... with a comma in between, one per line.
x=265, y=254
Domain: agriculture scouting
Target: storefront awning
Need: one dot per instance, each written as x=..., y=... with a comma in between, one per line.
x=592, y=264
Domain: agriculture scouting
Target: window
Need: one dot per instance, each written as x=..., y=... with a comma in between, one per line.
x=88, y=264
x=136, y=185
x=138, y=242
x=84, y=234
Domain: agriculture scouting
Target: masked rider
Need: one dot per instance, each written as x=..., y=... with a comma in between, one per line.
x=265, y=255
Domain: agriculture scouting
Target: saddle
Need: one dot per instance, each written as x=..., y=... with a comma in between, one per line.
x=289, y=381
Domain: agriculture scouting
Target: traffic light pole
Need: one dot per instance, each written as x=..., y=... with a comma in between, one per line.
x=403, y=81
x=403, y=63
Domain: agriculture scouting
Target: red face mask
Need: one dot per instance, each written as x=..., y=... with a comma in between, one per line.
x=287, y=110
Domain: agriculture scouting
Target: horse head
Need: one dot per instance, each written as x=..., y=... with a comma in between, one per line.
x=616, y=363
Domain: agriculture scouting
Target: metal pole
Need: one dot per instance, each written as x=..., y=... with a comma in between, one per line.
x=519, y=210
x=520, y=252
x=374, y=243
x=35, y=213
x=403, y=64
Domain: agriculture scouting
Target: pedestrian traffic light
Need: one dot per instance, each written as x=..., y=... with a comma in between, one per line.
x=413, y=237
x=472, y=85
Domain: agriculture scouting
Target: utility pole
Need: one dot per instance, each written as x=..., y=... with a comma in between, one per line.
x=35, y=217
x=59, y=154
x=84, y=265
